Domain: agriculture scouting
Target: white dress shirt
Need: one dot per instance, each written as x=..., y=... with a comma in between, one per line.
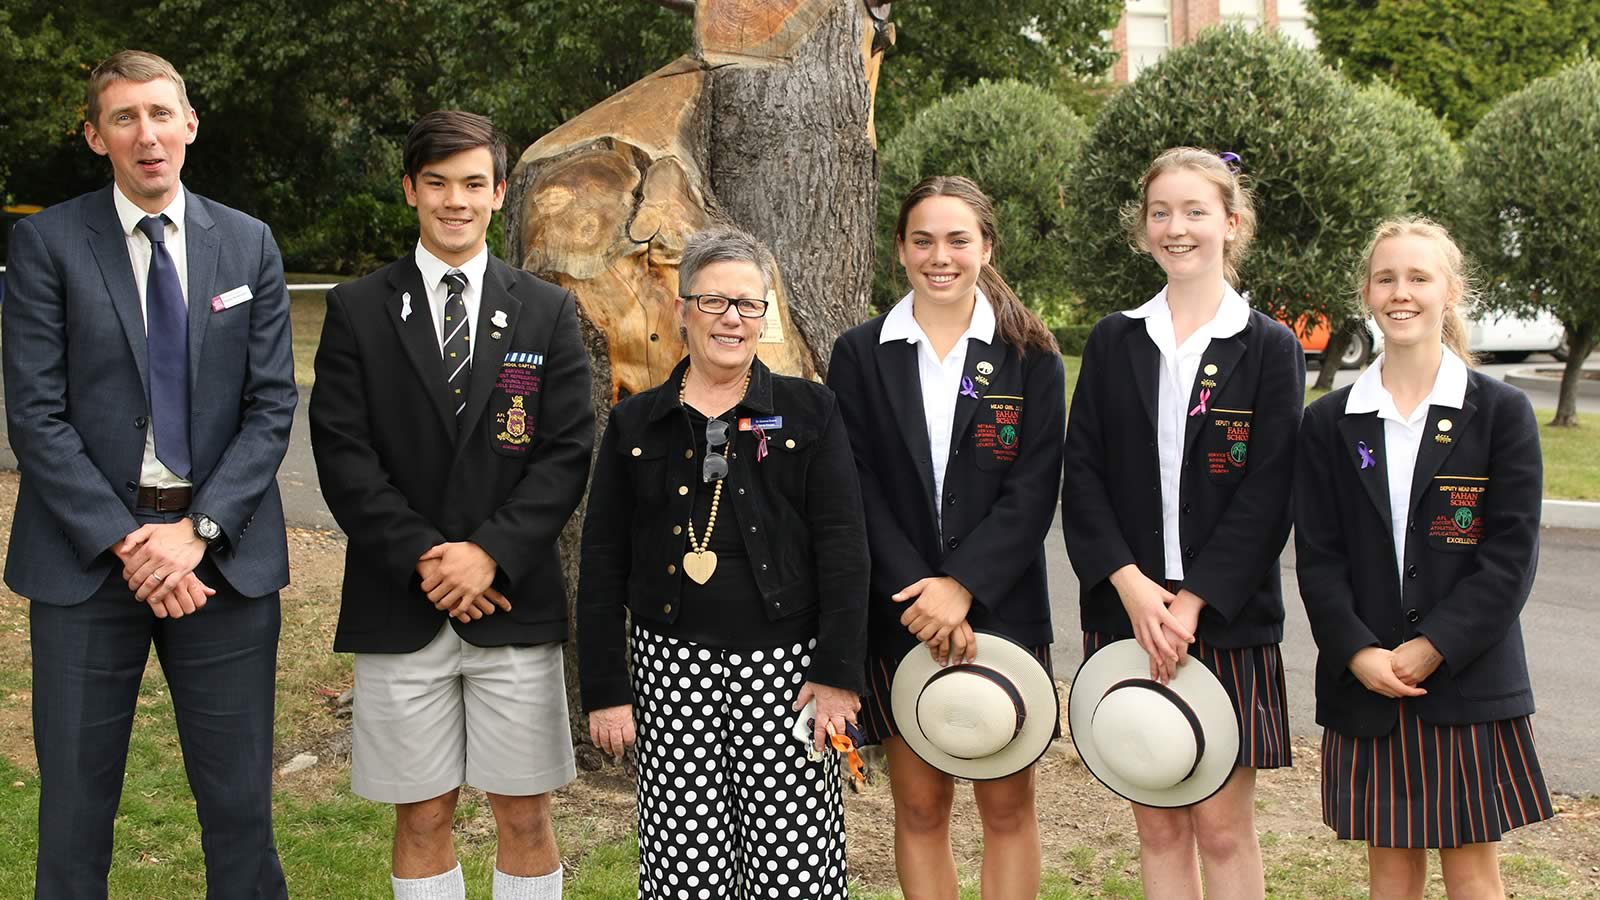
x=433, y=271
x=940, y=378
x=151, y=472
x=1402, y=435
x=1179, y=365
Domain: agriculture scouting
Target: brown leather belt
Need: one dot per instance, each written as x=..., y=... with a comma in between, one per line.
x=172, y=499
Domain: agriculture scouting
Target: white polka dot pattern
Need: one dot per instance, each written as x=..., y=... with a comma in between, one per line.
x=729, y=806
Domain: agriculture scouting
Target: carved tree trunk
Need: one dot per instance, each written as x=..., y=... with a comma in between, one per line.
x=766, y=125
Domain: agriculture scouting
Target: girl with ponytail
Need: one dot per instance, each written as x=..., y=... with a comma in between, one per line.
x=1179, y=458
x=955, y=405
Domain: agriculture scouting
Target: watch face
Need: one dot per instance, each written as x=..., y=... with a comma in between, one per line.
x=207, y=529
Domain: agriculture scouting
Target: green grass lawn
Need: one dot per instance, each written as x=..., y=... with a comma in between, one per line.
x=306, y=309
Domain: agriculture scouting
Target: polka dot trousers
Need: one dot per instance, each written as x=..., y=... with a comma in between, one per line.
x=729, y=805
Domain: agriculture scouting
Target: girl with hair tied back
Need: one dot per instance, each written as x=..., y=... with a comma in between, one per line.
x=955, y=404
x=1417, y=500
x=1175, y=504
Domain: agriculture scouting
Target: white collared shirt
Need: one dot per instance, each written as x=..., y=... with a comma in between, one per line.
x=1402, y=435
x=1179, y=365
x=940, y=378
x=433, y=270
x=151, y=472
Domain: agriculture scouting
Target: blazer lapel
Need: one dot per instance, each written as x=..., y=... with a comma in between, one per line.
x=202, y=249
x=902, y=384
x=1145, y=359
x=110, y=248
x=1443, y=428
x=1362, y=436
x=980, y=356
x=418, y=337
x=488, y=351
x=1217, y=364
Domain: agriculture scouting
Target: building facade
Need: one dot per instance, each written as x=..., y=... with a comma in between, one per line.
x=1149, y=28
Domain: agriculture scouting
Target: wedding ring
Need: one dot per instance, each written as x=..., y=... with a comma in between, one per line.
x=158, y=577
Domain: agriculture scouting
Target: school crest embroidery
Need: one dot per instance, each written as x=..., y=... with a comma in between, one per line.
x=516, y=424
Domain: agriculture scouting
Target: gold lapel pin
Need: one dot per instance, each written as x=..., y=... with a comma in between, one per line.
x=1211, y=368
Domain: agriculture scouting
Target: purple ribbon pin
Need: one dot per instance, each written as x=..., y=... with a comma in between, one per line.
x=1367, y=461
x=967, y=390
x=1205, y=396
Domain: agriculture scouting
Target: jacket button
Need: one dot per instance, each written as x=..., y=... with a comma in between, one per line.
x=667, y=609
x=1186, y=509
x=672, y=569
x=741, y=492
x=763, y=567
x=1188, y=553
x=140, y=422
x=752, y=529
x=637, y=452
x=677, y=529
x=954, y=543
x=683, y=490
x=777, y=604
x=956, y=452
x=132, y=486
x=1412, y=525
x=950, y=499
x=1411, y=571
x=1412, y=615
x=789, y=443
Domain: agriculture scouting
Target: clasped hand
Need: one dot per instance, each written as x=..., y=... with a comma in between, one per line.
x=937, y=616
x=458, y=578
x=1164, y=623
x=158, y=563
x=1399, y=672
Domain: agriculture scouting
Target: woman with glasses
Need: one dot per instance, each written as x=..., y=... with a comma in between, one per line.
x=725, y=517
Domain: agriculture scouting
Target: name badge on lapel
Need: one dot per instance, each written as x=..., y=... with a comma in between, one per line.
x=230, y=299
x=513, y=403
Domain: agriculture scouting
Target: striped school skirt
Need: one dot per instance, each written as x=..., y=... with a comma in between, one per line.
x=1426, y=786
x=1253, y=679
x=877, y=717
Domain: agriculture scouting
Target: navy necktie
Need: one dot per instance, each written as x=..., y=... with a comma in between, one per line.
x=458, y=340
x=167, y=339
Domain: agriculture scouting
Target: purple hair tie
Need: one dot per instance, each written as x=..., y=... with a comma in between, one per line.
x=1231, y=160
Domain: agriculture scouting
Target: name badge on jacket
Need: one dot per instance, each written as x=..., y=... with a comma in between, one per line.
x=514, y=402
x=998, y=430
x=1453, y=507
x=1227, y=440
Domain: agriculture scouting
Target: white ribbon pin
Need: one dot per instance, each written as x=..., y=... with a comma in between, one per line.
x=499, y=318
x=405, y=306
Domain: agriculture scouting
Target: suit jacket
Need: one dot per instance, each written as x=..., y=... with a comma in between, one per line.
x=1471, y=548
x=77, y=394
x=999, y=486
x=401, y=474
x=1238, y=464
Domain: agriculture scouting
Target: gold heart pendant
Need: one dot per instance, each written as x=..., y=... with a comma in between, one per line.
x=699, y=566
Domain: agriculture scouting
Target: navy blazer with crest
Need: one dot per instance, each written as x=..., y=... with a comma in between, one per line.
x=400, y=473
x=999, y=484
x=1238, y=464
x=1471, y=548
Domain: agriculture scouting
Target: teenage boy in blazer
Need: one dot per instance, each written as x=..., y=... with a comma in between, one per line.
x=452, y=426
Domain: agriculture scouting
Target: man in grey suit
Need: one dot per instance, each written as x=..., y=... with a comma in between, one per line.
x=149, y=391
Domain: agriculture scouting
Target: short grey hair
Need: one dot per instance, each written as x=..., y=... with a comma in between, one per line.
x=725, y=243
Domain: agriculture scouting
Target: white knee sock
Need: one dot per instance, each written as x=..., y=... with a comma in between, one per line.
x=449, y=886
x=527, y=887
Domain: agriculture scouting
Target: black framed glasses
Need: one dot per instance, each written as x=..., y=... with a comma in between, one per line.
x=716, y=305
x=715, y=466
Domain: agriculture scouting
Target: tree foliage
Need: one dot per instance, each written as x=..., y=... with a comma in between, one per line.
x=1017, y=142
x=942, y=46
x=1322, y=170
x=1457, y=57
x=1530, y=176
x=1429, y=159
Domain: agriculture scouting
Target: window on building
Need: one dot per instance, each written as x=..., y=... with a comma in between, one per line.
x=1295, y=22
x=1249, y=13
x=1149, y=33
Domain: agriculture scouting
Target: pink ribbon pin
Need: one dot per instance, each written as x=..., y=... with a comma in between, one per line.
x=1205, y=395
x=761, y=448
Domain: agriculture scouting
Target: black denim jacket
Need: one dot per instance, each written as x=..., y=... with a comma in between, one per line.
x=800, y=508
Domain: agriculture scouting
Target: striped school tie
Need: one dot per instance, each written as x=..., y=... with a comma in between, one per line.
x=458, y=340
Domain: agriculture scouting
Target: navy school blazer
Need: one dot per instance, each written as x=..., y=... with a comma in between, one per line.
x=999, y=486
x=1238, y=465
x=1471, y=548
